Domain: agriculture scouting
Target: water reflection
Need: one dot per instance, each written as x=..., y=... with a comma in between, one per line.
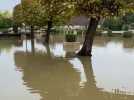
x=60, y=78
x=33, y=46
x=53, y=72
x=6, y=44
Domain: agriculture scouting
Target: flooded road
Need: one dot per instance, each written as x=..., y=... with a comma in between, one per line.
x=32, y=70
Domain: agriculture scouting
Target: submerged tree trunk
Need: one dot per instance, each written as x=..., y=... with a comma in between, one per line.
x=89, y=37
x=48, y=31
x=32, y=40
x=32, y=32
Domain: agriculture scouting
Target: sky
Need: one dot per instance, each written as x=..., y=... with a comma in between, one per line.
x=8, y=5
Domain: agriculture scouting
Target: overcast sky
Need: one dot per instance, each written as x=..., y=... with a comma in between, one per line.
x=8, y=4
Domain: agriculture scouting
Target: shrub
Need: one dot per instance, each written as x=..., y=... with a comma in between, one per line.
x=132, y=26
x=127, y=34
x=80, y=31
x=71, y=36
x=114, y=23
x=125, y=27
x=109, y=32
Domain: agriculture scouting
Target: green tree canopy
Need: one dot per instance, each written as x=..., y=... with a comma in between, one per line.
x=5, y=20
x=59, y=11
x=56, y=12
x=32, y=12
x=103, y=8
x=18, y=17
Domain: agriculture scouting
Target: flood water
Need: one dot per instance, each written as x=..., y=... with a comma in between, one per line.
x=32, y=70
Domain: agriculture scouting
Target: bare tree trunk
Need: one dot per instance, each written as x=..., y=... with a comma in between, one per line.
x=48, y=31
x=89, y=37
x=32, y=46
x=32, y=32
x=15, y=29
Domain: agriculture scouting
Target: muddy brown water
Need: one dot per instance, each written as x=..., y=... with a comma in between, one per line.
x=32, y=70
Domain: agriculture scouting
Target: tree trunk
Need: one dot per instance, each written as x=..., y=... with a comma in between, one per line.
x=15, y=29
x=47, y=48
x=32, y=46
x=32, y=32
x=48, y=31
x=89, y=37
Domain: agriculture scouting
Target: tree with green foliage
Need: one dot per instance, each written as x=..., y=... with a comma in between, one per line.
x=96, y=10
x=18, y=18
x=18, y=15
x=5, y=20
x=32, y=14
x=29, y=13
x=42, y=12
x=56, y=11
